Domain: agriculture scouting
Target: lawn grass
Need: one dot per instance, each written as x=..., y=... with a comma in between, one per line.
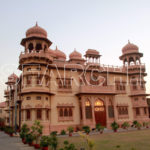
x=132, y=140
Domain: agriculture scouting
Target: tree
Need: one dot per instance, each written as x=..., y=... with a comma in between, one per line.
x=24, y=131
x=37, y=130
x=53, y=142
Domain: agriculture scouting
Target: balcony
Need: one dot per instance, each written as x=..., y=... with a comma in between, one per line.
x=36, y=89
x=34, y=54
x=138, y=93
x=36, y=72
x=136, y=68
x=89, y=89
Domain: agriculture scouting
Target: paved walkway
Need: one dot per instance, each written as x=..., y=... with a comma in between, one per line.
x=12, y=143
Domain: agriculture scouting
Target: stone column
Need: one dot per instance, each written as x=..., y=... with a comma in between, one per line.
x=115, y=110
x=83, y=110
x=106, y=108
x=34, y=45
x=43, y=114
x=93, y=114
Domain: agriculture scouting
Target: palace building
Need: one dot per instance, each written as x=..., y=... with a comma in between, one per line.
x=77, y=91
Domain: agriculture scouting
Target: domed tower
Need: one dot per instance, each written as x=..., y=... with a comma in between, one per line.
x=59, y=55
x=76, y=57
x=131, y=58
x=9, y=94
x=92, y=56
x=135, y=70
x=131, y=54
x=33, y=63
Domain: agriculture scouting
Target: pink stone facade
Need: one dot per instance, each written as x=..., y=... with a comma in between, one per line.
x=75, y=92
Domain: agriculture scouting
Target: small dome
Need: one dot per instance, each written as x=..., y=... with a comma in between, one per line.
x=129, y=48
x=75, y=55
x=12, y=78
x=36, y=31
x=59, y=54
x=92, y=52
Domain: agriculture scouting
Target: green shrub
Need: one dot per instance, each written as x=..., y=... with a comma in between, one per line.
x=24, y=131
x=45, y=141
x=125, y=125
x=53, y=142
x=135, y=123
x=118, y=146
x=37, y=130
x=2, y=128
x=29, y=138
x=70, y=129
x=63, y=132
x=99, y=127
x=114, y=126
x=86, y=129
x=54, y=133
x=145, y=124
x=138, y=125
x=11, y=131
x=68, y=146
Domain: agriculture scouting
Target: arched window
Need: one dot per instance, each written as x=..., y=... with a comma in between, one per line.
x=28, y=114
x=123, y=110
x=30, y=47
x=38, y=80
x=65, y=112
x=47, y=114
x=137, y=61
x=125, y=62
x=45, y=47
x=126, y=110
x=131, y=61
x=70, y=112
x=119, y=111
x=61, y=112
x=39, y=114
x=88, y=109
x=99, y=103
x=29, y=79
x=38, y=47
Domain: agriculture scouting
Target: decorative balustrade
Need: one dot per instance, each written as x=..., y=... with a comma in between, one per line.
x=137, y=92
x=38, y=89
x=41, y=54
x=110, y=89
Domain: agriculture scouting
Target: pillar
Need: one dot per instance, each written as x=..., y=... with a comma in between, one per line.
x=93, y=113
x=106, y=108
x=115, y=110
x=83, y=111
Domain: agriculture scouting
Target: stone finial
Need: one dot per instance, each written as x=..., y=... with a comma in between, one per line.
x=56, y=47
x=36, y=24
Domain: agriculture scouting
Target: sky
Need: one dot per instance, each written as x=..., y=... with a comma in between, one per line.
x=104, y=25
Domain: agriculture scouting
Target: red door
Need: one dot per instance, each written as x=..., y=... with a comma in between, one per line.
x=100, y=115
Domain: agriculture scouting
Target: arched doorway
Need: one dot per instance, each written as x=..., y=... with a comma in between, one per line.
x=100, y=112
